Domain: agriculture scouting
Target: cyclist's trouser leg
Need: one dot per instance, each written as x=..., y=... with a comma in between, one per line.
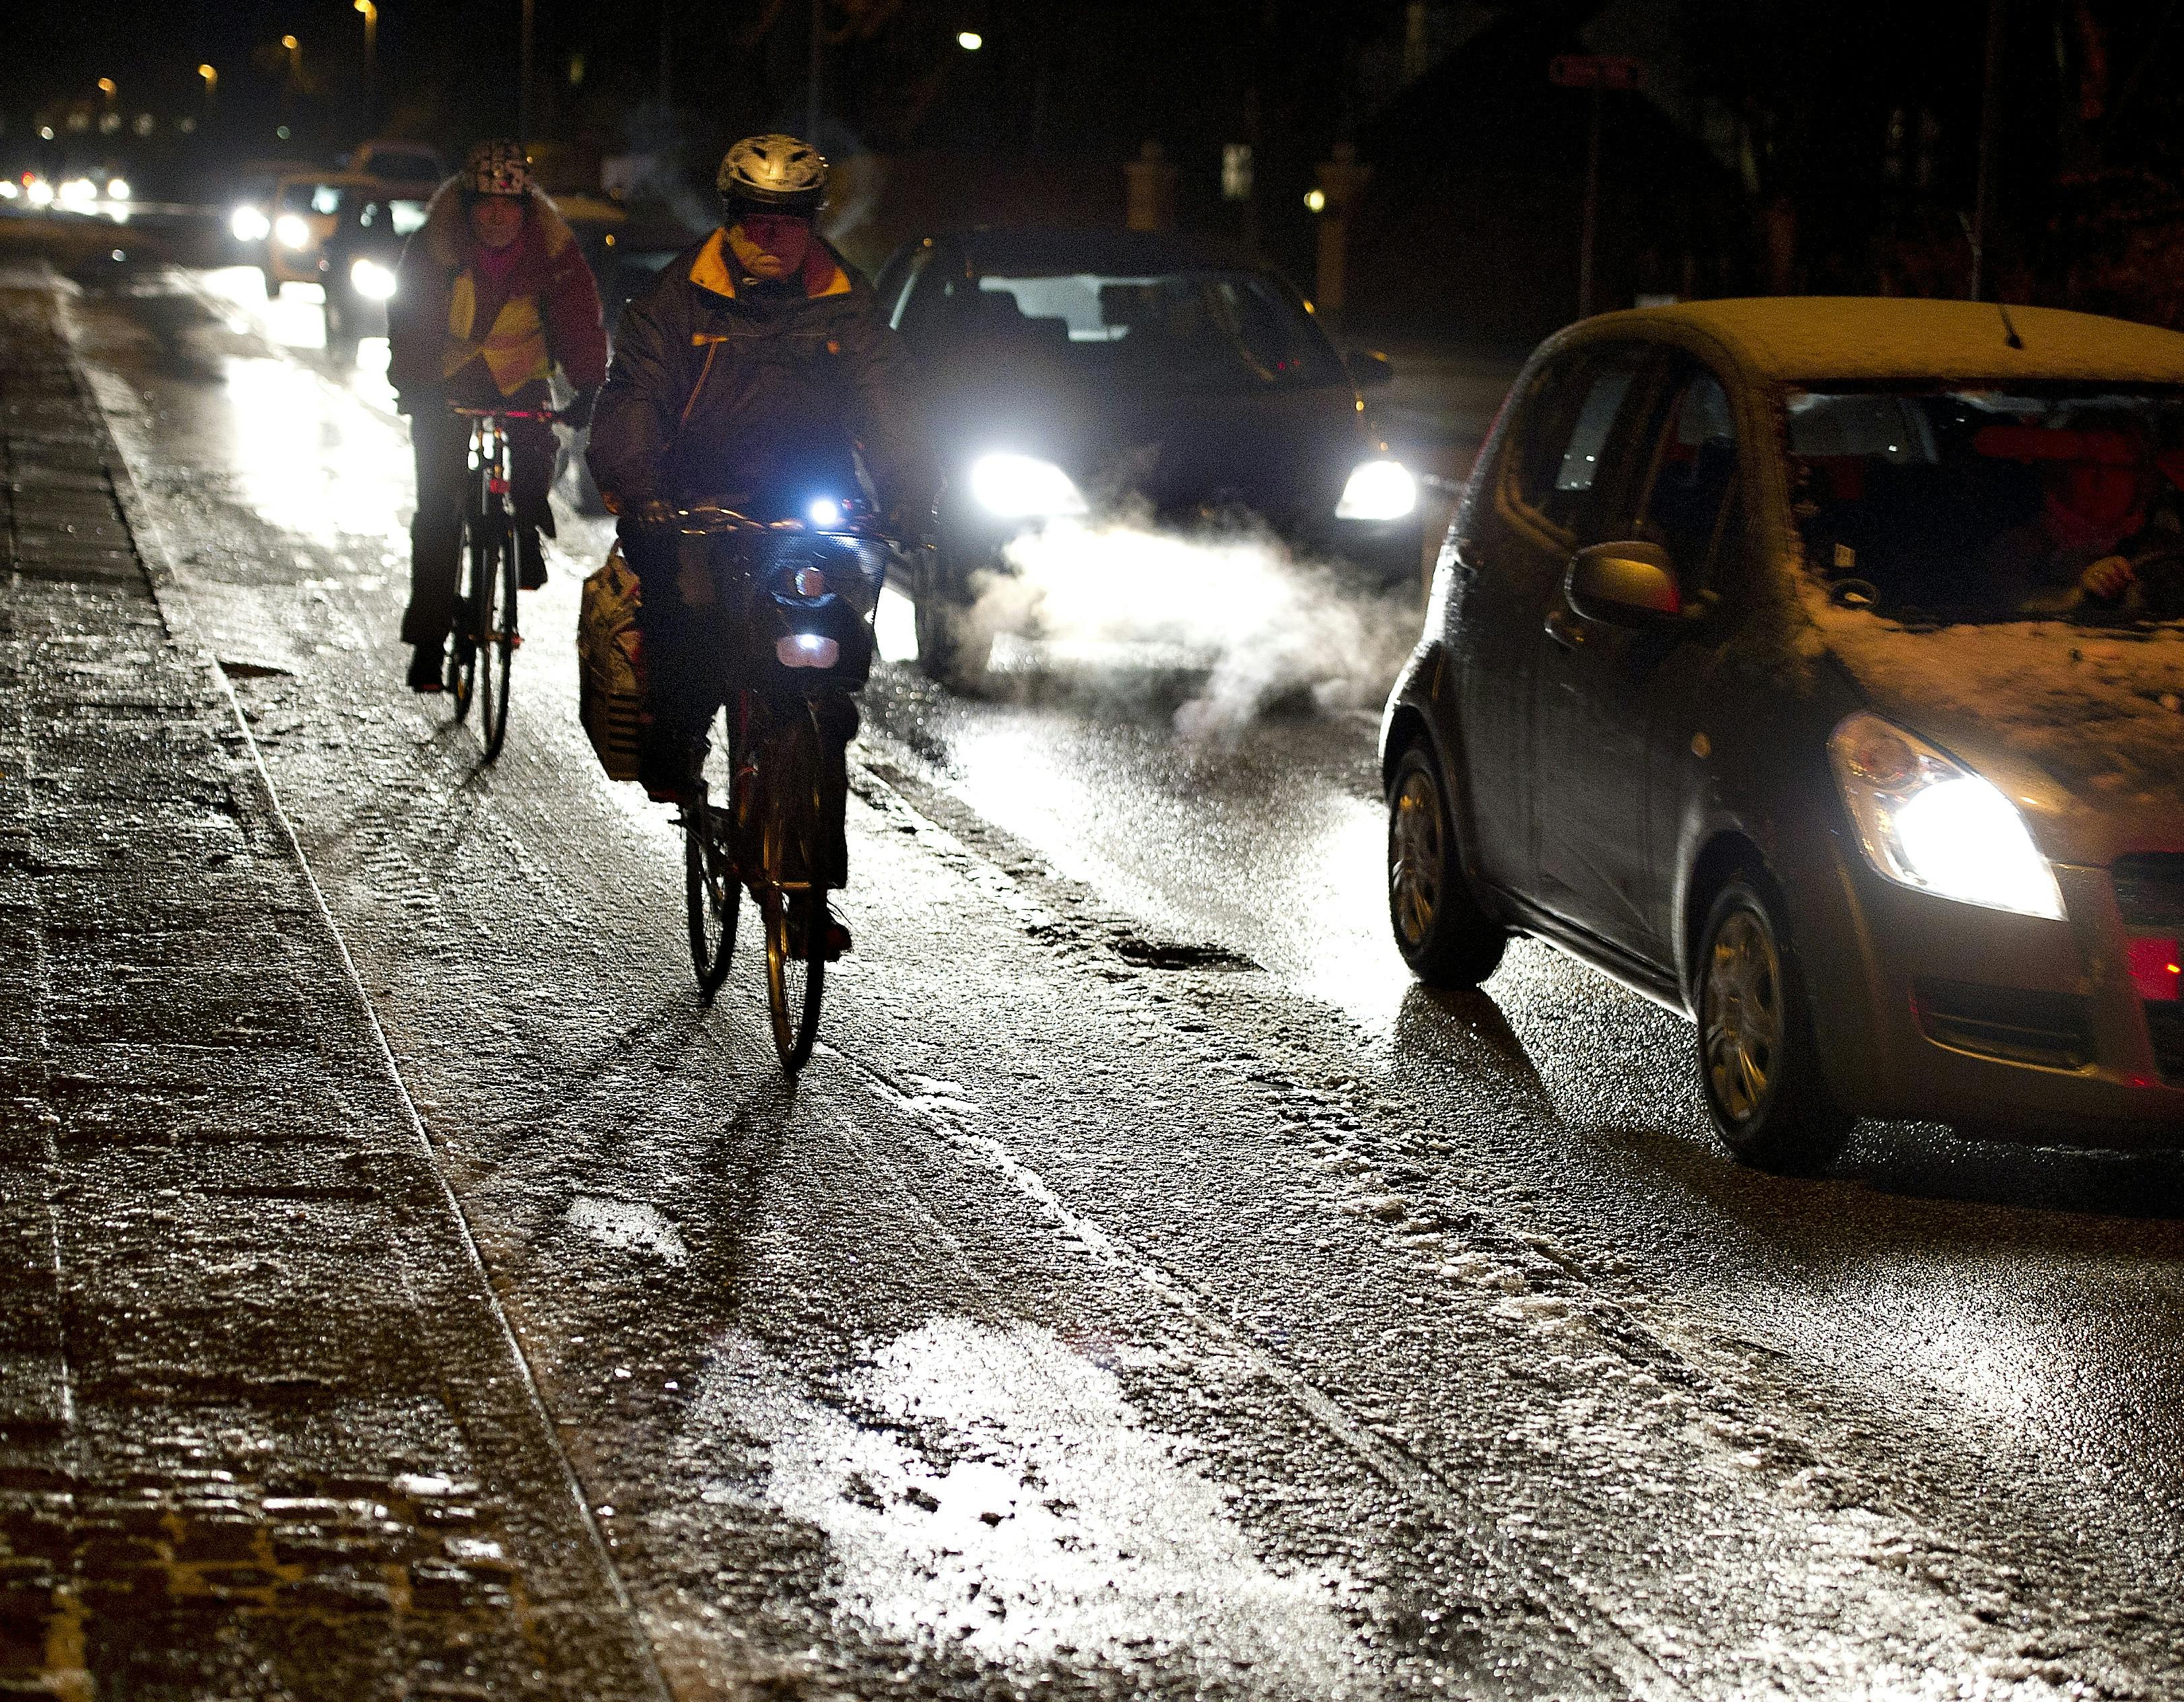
x=683, y=650
x=837, y=716
x=531, y=454
x=441, y=445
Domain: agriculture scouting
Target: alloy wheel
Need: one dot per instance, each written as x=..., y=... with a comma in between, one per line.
x=1741, y=1016
x=1415, y=851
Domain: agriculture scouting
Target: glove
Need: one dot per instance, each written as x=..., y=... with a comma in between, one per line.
x=2108, y=578
x=578, y=414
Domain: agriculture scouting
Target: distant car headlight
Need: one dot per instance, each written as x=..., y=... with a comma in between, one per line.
x=78, y=191
x=1379, y=490
x=248, y=225
x=371, y=281
x=117, y=189
x=39, y=192
x=10, y=189
x=292, y=231
x=1927, y=823
x=1023, y=488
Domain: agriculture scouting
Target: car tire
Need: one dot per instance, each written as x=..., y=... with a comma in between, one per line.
x=1443, y=932
x=1760, y=1069
x=953, y=651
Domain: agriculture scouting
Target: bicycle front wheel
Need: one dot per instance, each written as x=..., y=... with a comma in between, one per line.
x=496, y=634
x=795, y=972
x=462, y=638
x=795, y=919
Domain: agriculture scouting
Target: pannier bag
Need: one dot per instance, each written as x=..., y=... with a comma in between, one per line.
x=611, y=666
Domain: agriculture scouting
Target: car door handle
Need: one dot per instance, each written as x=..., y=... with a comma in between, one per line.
x=1561, y=628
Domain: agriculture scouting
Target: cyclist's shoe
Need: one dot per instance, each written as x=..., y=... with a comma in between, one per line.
x=834, y=939
x=427, y=669
x=530, y=559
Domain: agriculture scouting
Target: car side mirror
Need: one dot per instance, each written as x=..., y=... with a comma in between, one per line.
x=1629, y=583
x=1369, y=369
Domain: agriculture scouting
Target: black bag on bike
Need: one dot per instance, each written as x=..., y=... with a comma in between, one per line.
x=808, y=624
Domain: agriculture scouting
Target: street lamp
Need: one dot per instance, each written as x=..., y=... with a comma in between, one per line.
x=371, y=44
x=970, y=41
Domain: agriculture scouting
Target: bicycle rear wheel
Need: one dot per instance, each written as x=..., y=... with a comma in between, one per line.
x=795, y=921
x=711, y=882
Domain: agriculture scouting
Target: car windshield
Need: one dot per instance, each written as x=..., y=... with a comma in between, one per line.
x=1946, y=506
x=1179, y=330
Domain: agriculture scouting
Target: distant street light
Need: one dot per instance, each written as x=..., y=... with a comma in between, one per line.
x=970, y=41
x=110, y=88
x=1315, y=200
x=211, y=81
x=371, y=45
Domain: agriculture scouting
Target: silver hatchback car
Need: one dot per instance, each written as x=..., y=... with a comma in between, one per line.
x=1816, y=668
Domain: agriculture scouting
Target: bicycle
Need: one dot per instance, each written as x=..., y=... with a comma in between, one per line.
x=797, y=623
x=485, y=626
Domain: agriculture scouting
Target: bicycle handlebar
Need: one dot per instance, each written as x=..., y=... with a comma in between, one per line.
x=712, y=520
x=550, y=416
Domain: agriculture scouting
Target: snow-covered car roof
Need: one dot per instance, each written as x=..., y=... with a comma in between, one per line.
x=1852, y=339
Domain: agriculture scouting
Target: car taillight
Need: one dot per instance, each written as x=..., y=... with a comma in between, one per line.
x=2156, y=970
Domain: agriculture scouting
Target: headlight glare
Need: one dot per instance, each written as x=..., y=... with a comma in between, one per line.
x=1926, y=822
x=371, y=281
x=292, y=231
x=248, y=225
x=1023, y=488
x=1379, y=490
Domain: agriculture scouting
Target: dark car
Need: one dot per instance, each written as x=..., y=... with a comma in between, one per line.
x=360, y=259
x=1779, y=663
x=1073, y=373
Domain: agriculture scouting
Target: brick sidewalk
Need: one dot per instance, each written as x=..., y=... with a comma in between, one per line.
x=262, y=1430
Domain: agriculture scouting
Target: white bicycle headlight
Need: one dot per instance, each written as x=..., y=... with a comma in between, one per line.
x=1927, y=822
x=248, y=225
x=292, y=231
x=1379, y=490
x=1023, y=488
x=371, y=281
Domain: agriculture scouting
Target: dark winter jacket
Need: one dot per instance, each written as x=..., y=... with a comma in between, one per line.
x=722, y=386
x=484, y=339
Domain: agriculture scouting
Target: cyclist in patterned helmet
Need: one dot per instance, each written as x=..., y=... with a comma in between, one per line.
x=491, y=293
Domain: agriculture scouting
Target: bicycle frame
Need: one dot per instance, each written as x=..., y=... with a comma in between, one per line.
x=486, y=623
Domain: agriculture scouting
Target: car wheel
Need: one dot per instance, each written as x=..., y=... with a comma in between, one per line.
x=1444, y=935
x=1759, y=1067
x=952, y=649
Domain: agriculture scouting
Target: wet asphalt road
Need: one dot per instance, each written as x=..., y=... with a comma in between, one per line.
x=1146, y=1291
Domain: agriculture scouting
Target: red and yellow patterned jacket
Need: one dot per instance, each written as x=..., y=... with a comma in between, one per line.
x=486, y=335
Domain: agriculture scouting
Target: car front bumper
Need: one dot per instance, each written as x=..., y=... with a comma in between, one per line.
x=2002, y=1026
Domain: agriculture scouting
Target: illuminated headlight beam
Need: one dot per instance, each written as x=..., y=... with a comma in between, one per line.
x=1379, y=490
x=1023, y=488
x=371, y=281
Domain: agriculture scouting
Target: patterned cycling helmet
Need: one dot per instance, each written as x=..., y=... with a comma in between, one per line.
x=497, y=168
x=777, y=172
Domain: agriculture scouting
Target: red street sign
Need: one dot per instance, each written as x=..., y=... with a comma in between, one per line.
x=1597, y=71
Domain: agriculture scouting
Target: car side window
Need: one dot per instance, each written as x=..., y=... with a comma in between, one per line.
x=1566, y=433
x=1689, y=500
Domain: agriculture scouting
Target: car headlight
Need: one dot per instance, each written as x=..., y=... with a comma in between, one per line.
x=1927, y=823
x=38, y=193
x=1023, y=488
x=10, y=189
x=1379, y=490
x=248, y=225
x=292, y=231
x=371, y=280
x=78, y=191
x=117, y=189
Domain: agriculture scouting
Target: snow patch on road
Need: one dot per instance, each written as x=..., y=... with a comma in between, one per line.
x=991, y=1487
x=626, y=1226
